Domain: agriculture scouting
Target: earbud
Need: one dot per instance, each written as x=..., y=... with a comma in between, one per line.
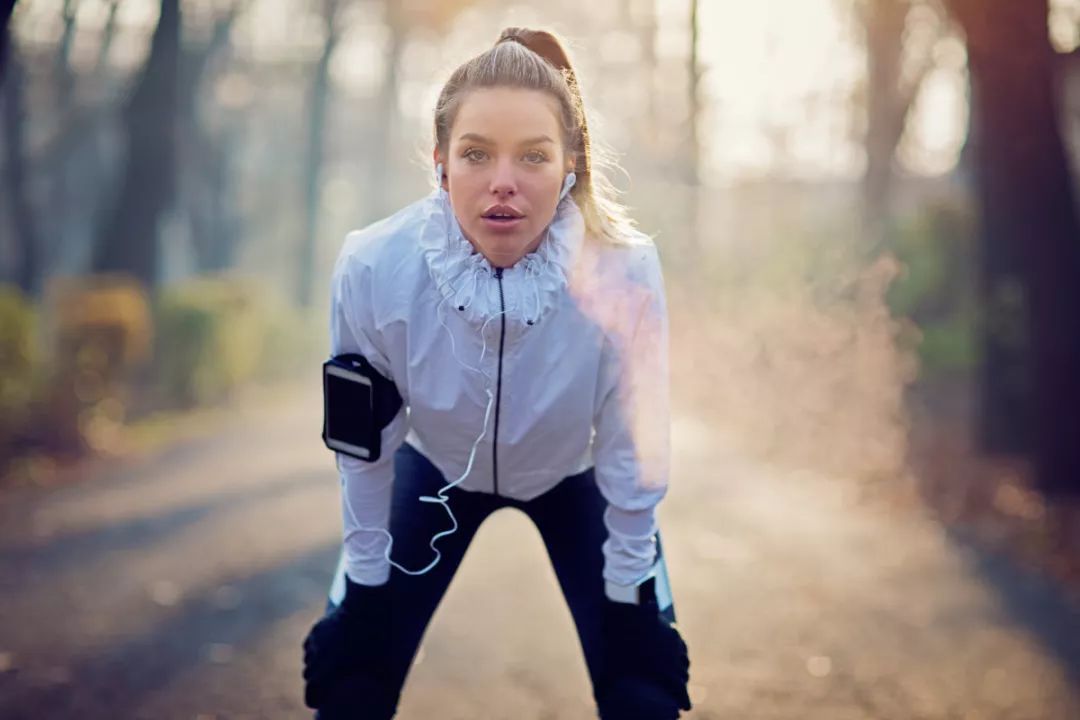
x=439, y=174
x=568, y=182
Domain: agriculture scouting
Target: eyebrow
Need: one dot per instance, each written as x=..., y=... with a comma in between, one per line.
x=487, y=141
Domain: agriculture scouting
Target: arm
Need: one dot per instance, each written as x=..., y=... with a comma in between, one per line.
x=648, y=664
x=366, y=486
x=346, y=651
x=632, y=424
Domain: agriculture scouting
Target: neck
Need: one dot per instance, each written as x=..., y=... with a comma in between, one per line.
x=505, y=261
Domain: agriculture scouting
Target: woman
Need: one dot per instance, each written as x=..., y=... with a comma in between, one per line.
x=508, y=336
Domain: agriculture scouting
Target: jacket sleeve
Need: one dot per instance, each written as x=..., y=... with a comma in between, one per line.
x=631, y=445
x=366, y=487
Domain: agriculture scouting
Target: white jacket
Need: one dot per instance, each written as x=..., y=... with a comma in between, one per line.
x=578, y=371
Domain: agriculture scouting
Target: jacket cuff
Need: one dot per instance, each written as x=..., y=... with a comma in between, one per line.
x=369, y=572
x=630, y=550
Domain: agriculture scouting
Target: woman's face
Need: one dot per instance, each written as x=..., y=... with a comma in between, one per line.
x=504, y=170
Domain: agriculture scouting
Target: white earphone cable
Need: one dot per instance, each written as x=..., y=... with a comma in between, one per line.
x=440, y=498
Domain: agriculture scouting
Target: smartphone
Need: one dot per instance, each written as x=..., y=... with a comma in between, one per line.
x=349, y=412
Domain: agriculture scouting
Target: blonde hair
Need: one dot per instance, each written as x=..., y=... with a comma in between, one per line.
x=537, y=60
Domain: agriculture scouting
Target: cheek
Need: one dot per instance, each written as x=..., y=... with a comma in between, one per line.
x=468, y=180
x=543, y=188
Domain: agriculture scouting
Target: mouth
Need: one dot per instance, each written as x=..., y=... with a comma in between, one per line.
x=502, y=217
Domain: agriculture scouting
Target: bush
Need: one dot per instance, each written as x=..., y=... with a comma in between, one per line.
x=294, y=342
x=208, y=337
x=936, y=289
x=218, y=332
x=101, y=336
x=18, y=367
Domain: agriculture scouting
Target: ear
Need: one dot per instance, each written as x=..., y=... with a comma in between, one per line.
x=437, y=158
x=571, y=163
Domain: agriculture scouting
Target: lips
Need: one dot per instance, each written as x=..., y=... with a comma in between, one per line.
x=502, y=218
x=503, y=212
x=502, y=224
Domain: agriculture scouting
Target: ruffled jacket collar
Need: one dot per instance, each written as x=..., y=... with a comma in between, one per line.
x=466, y=280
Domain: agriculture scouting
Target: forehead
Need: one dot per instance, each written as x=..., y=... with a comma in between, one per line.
x=507, y=115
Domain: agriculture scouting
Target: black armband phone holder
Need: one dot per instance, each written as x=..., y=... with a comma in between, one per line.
x=358, y=402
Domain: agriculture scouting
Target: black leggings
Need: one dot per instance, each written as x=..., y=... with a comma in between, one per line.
x=570, y=520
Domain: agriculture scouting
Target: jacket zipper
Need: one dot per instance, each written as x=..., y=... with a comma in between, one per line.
x=498, y=382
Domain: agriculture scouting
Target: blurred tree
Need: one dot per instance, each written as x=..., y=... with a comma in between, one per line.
x=319, y=98
x=890, y=93
x=82, y=121
x=639, y=17
x=1027, y=202
x=128, y=240
x=400, y=18
x=204, y=163
x=64, y=75
x=1003, y=423
x=15, y=166
x=60, y=180
x=6, y=9
x=693, y=72
x=107, y=34
x=692, y=161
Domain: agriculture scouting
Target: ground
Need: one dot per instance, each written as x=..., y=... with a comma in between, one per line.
x=180, y=585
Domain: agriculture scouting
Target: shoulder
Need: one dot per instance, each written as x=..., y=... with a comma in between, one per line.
x=633, y=261
x=642, y=260
x=616, y=282
x=384, y=246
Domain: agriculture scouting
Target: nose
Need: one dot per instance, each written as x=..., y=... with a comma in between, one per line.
x=503, y=181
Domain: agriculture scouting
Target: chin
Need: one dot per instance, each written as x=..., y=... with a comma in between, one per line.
x=504, y=259
x=502, y=245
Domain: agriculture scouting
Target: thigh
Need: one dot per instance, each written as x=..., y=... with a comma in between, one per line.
x=413, y=523
x=570, y=518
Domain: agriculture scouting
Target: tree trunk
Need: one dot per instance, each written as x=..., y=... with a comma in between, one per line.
x=1026, y=192
x=107, y=35
x=64, y=76
x=884, y=27
x=639, y=17
x=890, y=94
x=5, y=36
x=1003, y=377
x=205, y=163
x=320, y=90
x=128, y=241
x=380, y=165
x=693, y=102
x=27, y=243
x=693, y=142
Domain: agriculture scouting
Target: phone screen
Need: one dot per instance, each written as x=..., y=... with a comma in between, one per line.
x=349, y=411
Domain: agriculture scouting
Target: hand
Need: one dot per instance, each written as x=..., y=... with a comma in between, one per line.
x=629, y=698
x=646, y=659
x=351, y=642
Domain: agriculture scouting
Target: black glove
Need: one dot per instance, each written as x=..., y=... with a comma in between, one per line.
x=346, y=654
x=646, y=661
x=630, y=698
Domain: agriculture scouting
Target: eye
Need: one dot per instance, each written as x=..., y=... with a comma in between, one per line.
x=535, y=156
x=474, y=155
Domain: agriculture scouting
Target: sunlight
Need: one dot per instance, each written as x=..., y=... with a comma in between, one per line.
x=777, y=80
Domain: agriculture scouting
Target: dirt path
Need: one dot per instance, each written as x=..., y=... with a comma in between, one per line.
x=180, y=586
